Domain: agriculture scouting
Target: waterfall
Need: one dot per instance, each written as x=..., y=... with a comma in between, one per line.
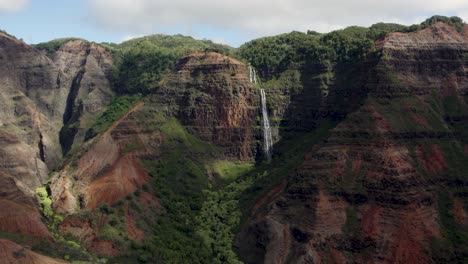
x=252, y=75
x=267, y=139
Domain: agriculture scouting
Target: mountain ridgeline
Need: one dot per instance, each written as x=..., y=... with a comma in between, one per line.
x=345, y=147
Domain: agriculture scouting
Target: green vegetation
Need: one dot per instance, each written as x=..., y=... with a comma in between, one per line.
x=453, y=21
x=352, y=226
x=46, y=208
x=141, y=62
x=273, y=55
x=229, y=170
x=198, y=221
x=409, y=114
x=54, y=45
x=6, y=33
x=131, y=147
x=452, y=247
x=61, y=247
x=226, y=207
x=178, y=179
x=115, y=110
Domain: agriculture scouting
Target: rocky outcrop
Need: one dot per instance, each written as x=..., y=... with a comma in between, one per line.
x=85, y=70
x=208, y=95
x=28, y=134
x=213, y=98
x=27, y=89
x=372, y=192
x=36, y=96
x=19, y=214
x=106, y=173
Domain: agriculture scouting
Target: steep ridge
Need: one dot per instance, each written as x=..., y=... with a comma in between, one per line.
x=380, y=189
x=105, y=173
x=34, y=91
x=215, y=101
x=28, y=134
x=19, y=213
x=115, y=169
x=85, y=69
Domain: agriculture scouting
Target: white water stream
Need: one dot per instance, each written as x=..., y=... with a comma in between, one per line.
x=267, y=138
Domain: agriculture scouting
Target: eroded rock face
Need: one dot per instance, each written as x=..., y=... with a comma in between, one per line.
x=208, y=94
x=213, y=98
x=106, y=173
x=19, y=214
x=35, y=92
x=13, y=253
x=85, y=70
x=371, y=192
x=27, y=90
x=28, y=134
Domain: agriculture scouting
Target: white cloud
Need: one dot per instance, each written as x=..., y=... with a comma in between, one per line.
x=255, y=18
x=12, y=5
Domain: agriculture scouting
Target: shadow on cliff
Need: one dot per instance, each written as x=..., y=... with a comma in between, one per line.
x=311, y=113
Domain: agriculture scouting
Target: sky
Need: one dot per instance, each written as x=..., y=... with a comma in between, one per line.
x=231, y=22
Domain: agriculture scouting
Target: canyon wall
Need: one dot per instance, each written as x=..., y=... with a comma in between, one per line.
x=375, y=191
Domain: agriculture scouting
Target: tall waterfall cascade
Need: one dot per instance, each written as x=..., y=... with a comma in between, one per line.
x=267, y=138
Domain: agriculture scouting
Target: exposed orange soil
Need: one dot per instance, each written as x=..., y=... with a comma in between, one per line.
x=124, y=177
x=116, y=123
x=381, y=124
x=83, y=230
x=150, y=200
x=418, y=119
x=13, y=253
x=337, y=256
x=459, y=212
x=104, y=248
x=271, y=195
x=330, y=214
x=413, y=232
x=21, y=218
x=309, y=154
x=106, y=151
x=433, y=159
x=370, y=218
x=196, y=58
x=133, y=232
x=79, y=228
x=357, y=164
x=396, y=157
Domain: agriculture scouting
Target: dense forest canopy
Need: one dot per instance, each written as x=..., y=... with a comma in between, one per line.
x=272, y=55
x=141, y=62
